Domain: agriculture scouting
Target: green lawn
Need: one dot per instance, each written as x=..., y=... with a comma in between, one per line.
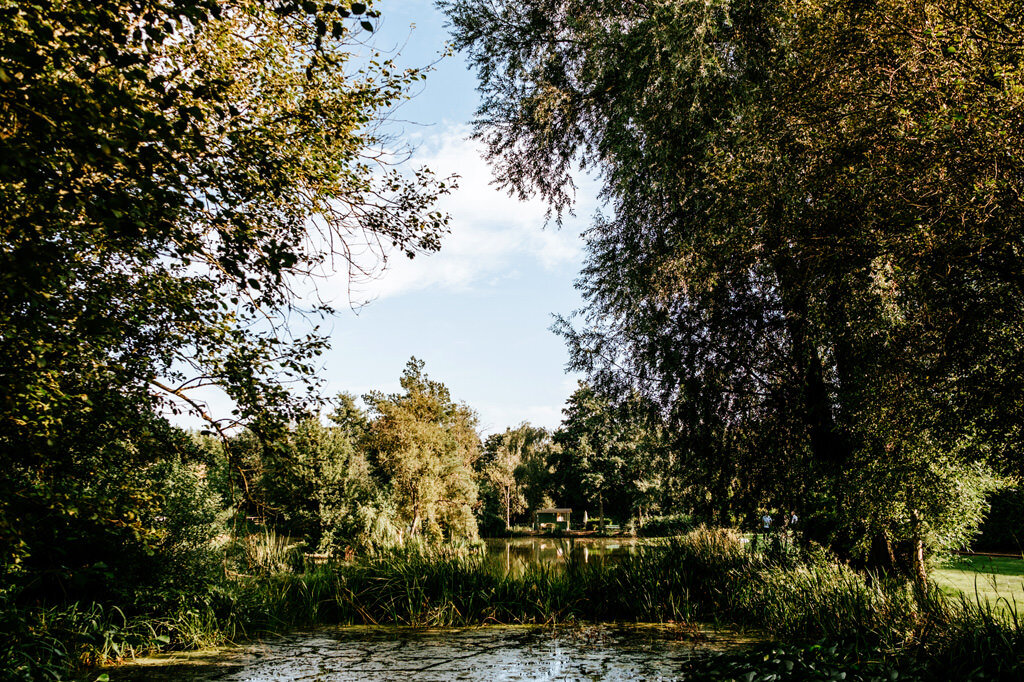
x=998, y=580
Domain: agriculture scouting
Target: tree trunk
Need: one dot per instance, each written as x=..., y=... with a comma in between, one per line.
x=508, y=508
x=829, y=444
x=600, y=507
x=920, y=571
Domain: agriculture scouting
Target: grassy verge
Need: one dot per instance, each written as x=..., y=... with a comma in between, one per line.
x=996, y=580
x=873, y=627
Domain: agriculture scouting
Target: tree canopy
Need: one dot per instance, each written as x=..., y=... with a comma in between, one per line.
x=812, y=260
x=514, y=469
x=174, y=176
x=424, y=444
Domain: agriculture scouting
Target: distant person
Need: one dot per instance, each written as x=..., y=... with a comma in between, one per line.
x=791, y=526
x=766, y=522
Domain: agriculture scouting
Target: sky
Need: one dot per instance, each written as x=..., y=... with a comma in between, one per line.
x=479, y=312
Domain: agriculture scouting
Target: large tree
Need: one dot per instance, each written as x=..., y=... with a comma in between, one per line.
x=308, y=483
x=424, y=446
x=813, y=255
x=514, y=465
x=608, y=453
x=173, y=176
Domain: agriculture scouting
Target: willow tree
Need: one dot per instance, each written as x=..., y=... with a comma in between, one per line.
x=813, y=248
x=173, y=175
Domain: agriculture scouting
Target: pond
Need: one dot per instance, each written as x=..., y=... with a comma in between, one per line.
x=600, y=652
x=515, y=554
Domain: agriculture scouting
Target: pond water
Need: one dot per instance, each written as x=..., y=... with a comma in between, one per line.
x=340, y=654
x=600, y=652
x=515, y=554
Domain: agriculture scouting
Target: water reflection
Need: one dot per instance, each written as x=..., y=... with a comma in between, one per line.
x=516, y=554
x=608, y=653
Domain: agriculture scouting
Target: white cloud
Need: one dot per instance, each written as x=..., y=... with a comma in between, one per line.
x=491, y=232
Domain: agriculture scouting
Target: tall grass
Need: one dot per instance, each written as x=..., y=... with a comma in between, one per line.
x=705, y=576
x=266, y=552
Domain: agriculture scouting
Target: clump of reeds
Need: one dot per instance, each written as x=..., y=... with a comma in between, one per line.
x=266, y=552
x=707, y=575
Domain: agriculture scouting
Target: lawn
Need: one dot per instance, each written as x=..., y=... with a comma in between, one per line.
x=998, y=580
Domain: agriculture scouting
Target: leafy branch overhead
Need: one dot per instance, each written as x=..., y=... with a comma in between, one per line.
x=172, y=177
x=175, y=179
x=811, y=255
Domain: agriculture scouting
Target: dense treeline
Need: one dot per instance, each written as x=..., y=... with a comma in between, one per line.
x=367, y=479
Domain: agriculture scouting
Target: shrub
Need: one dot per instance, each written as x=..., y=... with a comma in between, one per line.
x=1003, y=527
x=665, y=526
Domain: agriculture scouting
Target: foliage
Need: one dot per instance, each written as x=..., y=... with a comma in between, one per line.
x=378, y=526
x=353, y=485
x=187, y=558
x=663, y=526
x=173, y=176
x=705, y=575
x=424, y=446
x=314, y=484
x=268, y=553
x=609, y=452
x=814, y=212
x=133, y=528
x=514, y=470
x=1003, y=527
x=166, y=162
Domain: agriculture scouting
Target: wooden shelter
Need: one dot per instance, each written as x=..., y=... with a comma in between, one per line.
x=555, y=518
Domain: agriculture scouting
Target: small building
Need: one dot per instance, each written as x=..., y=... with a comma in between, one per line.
x=556, y=518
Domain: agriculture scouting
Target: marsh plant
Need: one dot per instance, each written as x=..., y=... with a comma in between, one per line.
x=709, y=575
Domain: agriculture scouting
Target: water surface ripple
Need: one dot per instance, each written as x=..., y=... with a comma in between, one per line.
x=605, y=652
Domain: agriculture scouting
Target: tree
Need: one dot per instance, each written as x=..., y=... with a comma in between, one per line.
x=171, y=177
x=312, y=484
x=606, y=452
x=810, y=261
x=514, y=465
x=534, y=472
x=424, y=446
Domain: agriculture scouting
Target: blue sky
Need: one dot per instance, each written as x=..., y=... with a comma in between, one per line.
x=479, y=312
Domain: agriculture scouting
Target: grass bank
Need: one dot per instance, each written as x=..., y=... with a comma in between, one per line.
x=705, y=576
x=997, y=580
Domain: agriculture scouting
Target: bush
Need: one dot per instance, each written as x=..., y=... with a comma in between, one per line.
x=666, y=526
x=1003, y=527
x=188, y=521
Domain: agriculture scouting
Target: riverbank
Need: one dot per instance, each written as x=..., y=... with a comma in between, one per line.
x=708, y=576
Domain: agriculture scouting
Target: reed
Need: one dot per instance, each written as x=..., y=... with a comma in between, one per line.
x=705, y=576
